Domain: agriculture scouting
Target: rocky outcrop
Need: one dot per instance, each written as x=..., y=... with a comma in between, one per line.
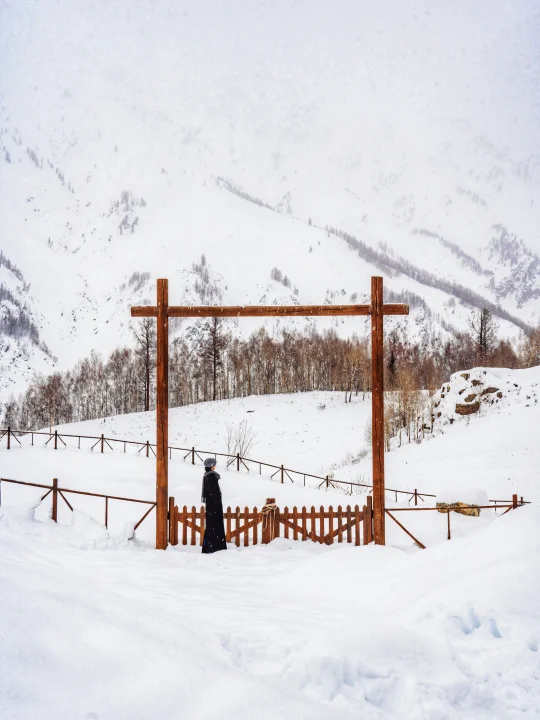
x=469, y=409
x=483, y=389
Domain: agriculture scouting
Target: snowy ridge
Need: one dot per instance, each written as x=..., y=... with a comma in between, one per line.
x=21, y=347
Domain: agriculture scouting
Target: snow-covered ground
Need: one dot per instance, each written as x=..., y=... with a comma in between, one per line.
x=97, y=626
x=309, y=431
x=106, y=629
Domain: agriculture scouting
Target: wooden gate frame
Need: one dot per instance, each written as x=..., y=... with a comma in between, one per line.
x=162, y=311
x=291, y=522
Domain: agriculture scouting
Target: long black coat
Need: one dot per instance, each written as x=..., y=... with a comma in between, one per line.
x=214, y=533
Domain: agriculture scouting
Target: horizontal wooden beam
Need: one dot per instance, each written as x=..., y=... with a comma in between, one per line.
x=144, y=312
x=267, y=310
x=395, y=309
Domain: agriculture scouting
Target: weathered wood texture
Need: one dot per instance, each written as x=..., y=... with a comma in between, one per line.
x=258, y=310
x=377, y=407
x=249, y=527
x=162, y=413
x=268, y=310
x=54, y=510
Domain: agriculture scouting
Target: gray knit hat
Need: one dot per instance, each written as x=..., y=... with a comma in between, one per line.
x=210, y=462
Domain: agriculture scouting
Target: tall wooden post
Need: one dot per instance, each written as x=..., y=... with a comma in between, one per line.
x=162, y=413
x=377, y=408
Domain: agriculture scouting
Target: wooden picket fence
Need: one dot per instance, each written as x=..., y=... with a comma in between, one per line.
x=251, y=527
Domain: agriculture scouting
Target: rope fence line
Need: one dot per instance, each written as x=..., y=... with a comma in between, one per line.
x=193, y=453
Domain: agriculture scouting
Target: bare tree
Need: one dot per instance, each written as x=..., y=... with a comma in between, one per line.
x=240, y=437
x=484, y=329
x=368, y=432
x=530, y=349
x=52, y=391
x=145, y=335
x=213, y=349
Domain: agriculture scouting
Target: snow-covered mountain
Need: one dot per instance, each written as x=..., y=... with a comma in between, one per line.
x=331, y=141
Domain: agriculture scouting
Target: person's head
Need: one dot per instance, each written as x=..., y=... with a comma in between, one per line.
x=210, y=464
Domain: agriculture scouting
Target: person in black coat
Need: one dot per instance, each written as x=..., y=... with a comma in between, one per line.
x=214, y=532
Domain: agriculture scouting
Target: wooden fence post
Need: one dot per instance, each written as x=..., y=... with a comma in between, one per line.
x=237, y=462
x=193, y=456
x=9, y=437
x=369, y=518
x=269, y=521
x=56, y=439
x=282, y=474
x=514, y=502
x=171, y=517
x=365, y=540
x=415, y=496
x=148, y=448
x=102, y=443
x=54, y=514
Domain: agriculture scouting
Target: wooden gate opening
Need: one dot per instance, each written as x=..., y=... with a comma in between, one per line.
x=162, y=311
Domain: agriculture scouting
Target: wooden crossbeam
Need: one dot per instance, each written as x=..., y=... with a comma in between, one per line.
x=233, y=311
x=162, y=311
x=189, y=523
x=246, y=526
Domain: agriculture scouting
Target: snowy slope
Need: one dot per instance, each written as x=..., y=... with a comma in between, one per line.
x=136, y=137
x=494, y=454
x=495, y=449
x=499, y=443
x=293, y=430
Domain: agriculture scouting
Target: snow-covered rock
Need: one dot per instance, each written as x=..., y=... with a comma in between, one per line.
x=484, y=390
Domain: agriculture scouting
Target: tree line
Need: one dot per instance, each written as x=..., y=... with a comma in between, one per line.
x=215, y=365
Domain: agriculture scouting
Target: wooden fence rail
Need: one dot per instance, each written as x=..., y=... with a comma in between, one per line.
x=505, y=505
x=245, y=526
x=56, y=491
x=192, y=455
